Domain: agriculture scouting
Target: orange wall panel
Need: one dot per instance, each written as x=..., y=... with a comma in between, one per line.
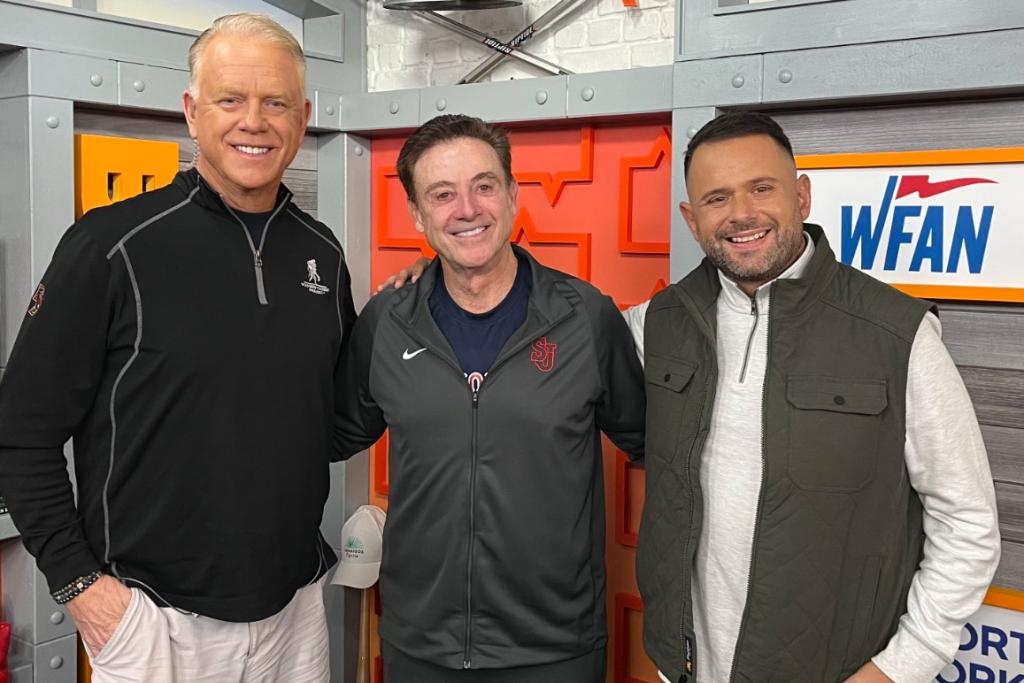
x=109, y=169
x=595, y=202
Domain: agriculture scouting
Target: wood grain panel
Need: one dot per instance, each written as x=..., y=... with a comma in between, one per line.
x=1010, y=499
x=1011, y=567
x=303, y=185
x=956, y=125
x=998, y=395
x=984, y=335
x=171, y=128
x=1005, y=453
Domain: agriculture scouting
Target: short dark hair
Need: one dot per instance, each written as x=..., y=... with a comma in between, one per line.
x=446, y=128
x=736, y=124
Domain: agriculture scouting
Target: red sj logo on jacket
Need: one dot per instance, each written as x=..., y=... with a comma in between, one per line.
x=543, y=354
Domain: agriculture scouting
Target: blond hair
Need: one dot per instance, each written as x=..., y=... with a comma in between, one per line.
x=245, y=24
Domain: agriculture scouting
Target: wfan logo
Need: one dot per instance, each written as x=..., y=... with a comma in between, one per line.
x=918, y=226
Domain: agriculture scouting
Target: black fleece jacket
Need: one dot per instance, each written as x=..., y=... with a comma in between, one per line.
x=494, y=546
x=193, y=369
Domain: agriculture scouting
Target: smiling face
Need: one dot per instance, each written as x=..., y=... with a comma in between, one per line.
x=248, y=117
x=464, y=205
x=747, y=208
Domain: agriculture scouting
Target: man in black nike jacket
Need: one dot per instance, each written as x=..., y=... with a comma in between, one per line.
x=496, y=376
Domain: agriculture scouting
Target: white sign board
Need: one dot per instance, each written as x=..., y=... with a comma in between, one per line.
x=991, y=649
x=941, y=225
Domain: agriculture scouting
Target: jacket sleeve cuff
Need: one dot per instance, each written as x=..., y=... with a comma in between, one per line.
x=59, y=572
x=908, y=660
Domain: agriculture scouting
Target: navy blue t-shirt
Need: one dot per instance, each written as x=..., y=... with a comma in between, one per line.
x=254, y=223
x=477, y=338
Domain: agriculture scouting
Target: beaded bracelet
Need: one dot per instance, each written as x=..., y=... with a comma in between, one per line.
x=75, y=588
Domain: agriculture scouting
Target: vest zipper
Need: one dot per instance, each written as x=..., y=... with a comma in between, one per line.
x=687, y=645
x=760, y=495
x=750, y=339
x=257, y=251
x=466, y=658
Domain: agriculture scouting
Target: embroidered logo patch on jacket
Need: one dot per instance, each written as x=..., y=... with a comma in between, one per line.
x=312, y=281
x=543, y=354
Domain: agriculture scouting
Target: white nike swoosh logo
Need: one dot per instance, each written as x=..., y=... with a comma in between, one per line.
x=406, y=355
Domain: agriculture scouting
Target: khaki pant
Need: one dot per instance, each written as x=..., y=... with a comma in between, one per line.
x=161, y=645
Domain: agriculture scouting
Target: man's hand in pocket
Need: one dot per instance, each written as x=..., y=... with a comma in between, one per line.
x=98, y=611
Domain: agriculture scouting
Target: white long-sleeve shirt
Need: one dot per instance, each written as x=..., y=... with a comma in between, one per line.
x=947, y=465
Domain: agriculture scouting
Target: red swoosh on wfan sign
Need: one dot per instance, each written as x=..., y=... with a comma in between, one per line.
x=920, y=184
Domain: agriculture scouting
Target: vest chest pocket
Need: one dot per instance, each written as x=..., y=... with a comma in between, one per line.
x=834, y=428
x=666, y=380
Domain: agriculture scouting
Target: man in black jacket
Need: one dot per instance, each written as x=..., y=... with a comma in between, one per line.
x=495, y=376
x=187, y=340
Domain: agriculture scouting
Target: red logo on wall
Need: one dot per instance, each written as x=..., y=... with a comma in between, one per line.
x=543, y=354
x=37, y=299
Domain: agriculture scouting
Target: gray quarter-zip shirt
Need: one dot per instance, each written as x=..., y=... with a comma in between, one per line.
x=732, y=462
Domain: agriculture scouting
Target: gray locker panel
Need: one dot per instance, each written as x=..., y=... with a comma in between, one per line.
x=34, y=616
x=685, y=252
x=380, y=110
x=151, y=87
x=7, y=528
x=37, y=24
x=706, y=31
x=15, y=221
x=982, y=61
x=985, y=340
x=20, y=671
x=35, y=134
x=324, y=35
x=339, y=64
x=717, y=82
x=326, y=110
x=52, y=74
x=56, y=661
x=613, y=92
x=25, y=23
x=530, y=99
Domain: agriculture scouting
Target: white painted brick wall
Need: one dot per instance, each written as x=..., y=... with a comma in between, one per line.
x=404, y=51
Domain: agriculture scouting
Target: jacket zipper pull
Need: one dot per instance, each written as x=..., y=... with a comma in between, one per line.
x=259, y=259
x=753, y=306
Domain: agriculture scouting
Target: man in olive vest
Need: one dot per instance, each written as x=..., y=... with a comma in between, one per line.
x=819, y=502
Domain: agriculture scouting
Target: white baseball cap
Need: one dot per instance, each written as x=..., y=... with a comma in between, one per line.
x=361, y=540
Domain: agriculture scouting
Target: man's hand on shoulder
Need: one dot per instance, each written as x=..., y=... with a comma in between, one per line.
x=410, y=273
x=98, y=611
x=869, y=673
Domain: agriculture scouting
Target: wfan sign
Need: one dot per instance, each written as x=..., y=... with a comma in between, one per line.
x=939, y=225
x=992, y=643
